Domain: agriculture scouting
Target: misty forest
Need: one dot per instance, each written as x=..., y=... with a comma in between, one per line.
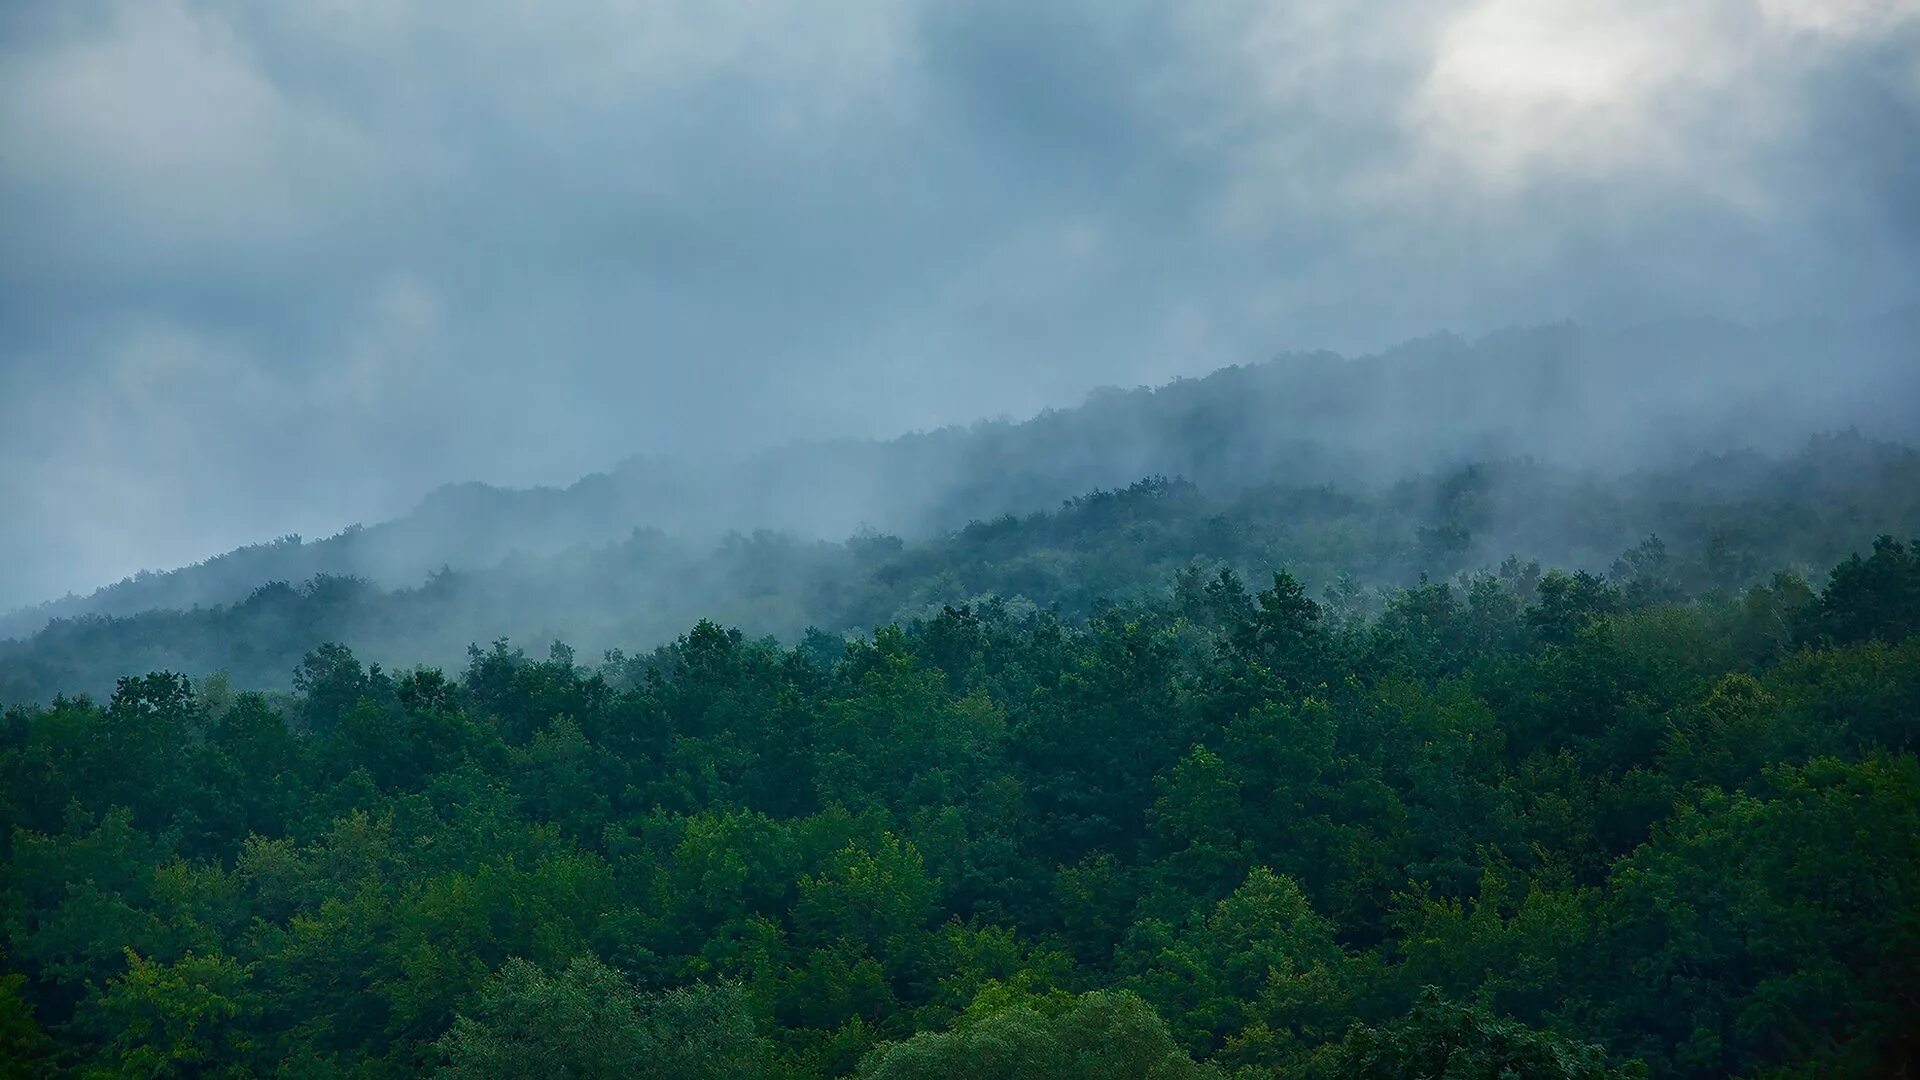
x=960, y=542
x=1259, y=773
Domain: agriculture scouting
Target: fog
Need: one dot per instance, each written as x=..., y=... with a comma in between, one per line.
x=1677, y=458
x=279, y=269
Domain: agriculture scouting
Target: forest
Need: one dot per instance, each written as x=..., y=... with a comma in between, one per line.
x=1658, y=821
x=1204, y=731
x=647, y=540
x=1720, y=521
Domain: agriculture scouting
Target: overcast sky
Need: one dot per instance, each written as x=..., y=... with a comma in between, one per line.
x=281, y=267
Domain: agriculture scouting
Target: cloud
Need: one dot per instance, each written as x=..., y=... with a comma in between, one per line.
x=1678, y=100
x=275, y=267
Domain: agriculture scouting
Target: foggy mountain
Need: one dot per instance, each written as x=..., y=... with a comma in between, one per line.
x=1608, y=402
x=1717, y=453
x=639, y=539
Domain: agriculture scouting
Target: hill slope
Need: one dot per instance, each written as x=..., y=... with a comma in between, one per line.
x=1719, y=522
x=1609, y=402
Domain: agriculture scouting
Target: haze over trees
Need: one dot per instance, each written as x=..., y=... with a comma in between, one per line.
x=1558, y=445
x=1538, y=824
x=655, y=539
x=1565, y=408
x=1519, y=767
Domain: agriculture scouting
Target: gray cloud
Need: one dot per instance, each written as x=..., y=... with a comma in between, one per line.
x=276, y=268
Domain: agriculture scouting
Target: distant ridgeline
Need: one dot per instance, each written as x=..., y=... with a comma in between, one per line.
x=1599, y=405
x=1721, y=523
x=1541, y=825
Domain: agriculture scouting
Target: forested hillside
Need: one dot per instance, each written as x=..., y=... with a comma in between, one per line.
x=1537, y=825
x=939, y=541
x=1361, y=738
x=1723, y=522
x=1596, y=404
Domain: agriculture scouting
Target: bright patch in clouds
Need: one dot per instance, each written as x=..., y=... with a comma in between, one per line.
x=1688, y=96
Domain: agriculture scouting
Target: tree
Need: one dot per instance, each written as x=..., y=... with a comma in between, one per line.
x=24, y=1048
x=331, y=682
x=1441, y=1040
x=195, y=1017
x=1283, y=634
x=1261, y=970
x=871, y=894
x=589, y=1022
x=1006, y=1035
x=1875, y=597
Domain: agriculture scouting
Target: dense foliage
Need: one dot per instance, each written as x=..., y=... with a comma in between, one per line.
x=1523, y=824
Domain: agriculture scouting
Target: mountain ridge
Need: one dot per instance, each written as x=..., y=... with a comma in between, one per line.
x=1671, y=392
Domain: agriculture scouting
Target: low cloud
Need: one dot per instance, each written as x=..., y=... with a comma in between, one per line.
x=277, y=268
